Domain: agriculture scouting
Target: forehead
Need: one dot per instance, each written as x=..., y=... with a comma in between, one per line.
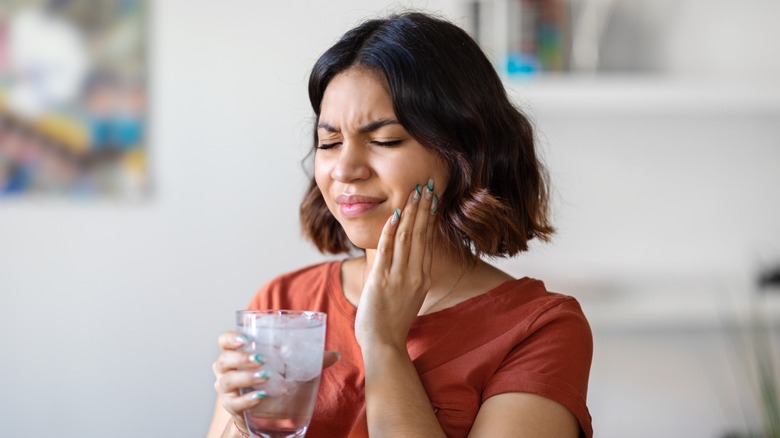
x=356, y=96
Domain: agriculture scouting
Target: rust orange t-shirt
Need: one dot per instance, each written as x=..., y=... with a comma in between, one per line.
x=517, y=337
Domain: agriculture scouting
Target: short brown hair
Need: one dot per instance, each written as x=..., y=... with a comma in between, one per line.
x=447, y=95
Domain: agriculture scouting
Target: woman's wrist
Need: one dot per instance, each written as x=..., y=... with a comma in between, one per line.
x=381, y=351
x=378, y=358
x=396, y=401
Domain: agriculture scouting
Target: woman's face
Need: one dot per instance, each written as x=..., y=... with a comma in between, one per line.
x=367, y=164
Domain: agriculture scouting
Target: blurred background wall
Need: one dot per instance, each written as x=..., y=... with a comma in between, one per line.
x=666, y=185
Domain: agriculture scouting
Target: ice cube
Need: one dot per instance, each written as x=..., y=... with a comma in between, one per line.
x=276, y=385
x=302, y=360
x=272, y=357
x=267, y=335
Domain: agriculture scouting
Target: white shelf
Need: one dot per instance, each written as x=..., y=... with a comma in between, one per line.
x=698, y=310
x=583, y=94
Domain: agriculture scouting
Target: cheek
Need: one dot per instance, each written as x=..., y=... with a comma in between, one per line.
x=322, y=179
x=442, y=178
x=435, y=167
x=320, y=173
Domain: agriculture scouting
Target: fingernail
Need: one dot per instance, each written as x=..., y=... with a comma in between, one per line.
x=417, y=194
x=256, y=357
x=259, y=394
x=242, y=339
x=338, y=355
x=260, y=375
x=434, y=204
x=429, y=187
x=396, y=216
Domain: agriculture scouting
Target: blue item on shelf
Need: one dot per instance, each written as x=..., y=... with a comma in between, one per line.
x=521, y=64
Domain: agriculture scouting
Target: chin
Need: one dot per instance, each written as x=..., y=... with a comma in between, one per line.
x=363, y=239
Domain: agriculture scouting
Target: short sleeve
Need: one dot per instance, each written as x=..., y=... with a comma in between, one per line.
x=551, y=359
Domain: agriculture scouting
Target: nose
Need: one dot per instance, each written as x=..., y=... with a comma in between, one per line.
x=351, y=164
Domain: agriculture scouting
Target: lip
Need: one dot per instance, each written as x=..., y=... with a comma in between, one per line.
x=352, y=206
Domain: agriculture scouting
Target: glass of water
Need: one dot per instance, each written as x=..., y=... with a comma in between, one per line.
x=292, y=344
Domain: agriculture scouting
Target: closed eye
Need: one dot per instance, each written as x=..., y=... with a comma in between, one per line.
x=387, y=143
x=324, y=146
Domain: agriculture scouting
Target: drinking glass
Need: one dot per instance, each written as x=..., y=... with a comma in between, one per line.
x=292, y=344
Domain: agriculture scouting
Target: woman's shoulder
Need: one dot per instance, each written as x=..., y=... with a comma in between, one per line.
x=523, y=314
x=524, y=294
x=531, y=297
x=519, y=305
x=522, y=306
x=530, y=311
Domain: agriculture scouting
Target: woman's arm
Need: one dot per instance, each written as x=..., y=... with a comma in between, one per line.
x=521, y=415
x=233, y=369
x=227, y=420
x=396, y=401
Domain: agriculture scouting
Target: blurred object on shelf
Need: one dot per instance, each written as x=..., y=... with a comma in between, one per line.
x=523, y=36
x=73, y=98
x=588, y=32
x=537, y=36
x=681, y=38
x=770, y=280
x=769, y=271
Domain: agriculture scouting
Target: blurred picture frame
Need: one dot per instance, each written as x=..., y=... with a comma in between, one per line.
x=73, y=99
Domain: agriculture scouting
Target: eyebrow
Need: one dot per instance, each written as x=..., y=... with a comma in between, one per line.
x=369, y=127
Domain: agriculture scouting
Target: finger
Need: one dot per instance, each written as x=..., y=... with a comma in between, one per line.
x=428, y=257
x=239, y=403
x=385, y=249
x=419, y=233
x=233, y=360
x=232, y=381
x=232, y=341
x=404, y=235
x=432, y=205
x=329, y=358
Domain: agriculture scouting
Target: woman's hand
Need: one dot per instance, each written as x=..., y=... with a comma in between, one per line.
x=235, y=369
x=396, y=402
x=400, y=276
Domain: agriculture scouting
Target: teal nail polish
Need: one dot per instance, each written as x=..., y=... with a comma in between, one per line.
x=262, y=375
x=434, y=204
x=396, y=216
x=259, y=394
x=256, y=357
x=242, y=338
x=417, y=195
x=429, y=189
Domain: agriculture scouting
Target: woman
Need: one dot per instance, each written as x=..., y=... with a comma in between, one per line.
x=421, y=160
